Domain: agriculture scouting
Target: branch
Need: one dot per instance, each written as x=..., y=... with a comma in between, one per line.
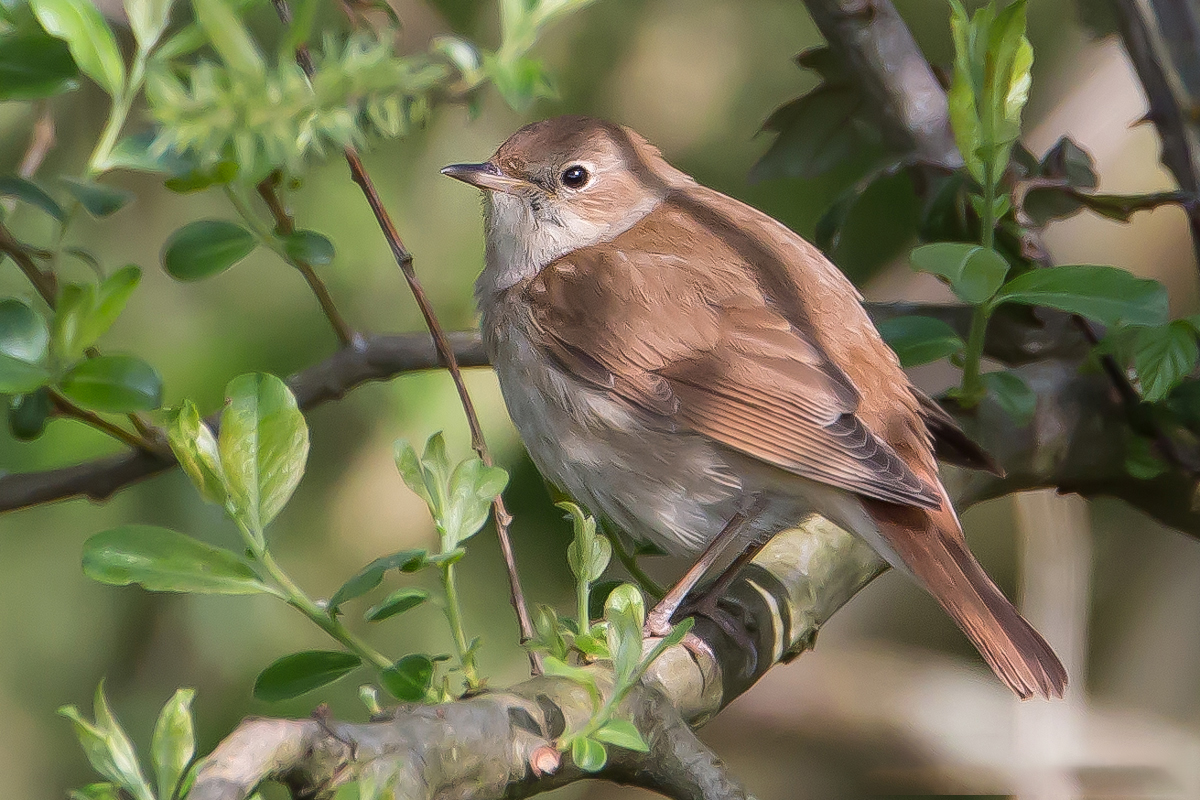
x=380, y=358
x=501, y=744
x=873, y=41
x=285, y=225
x=1159, y=38
x=404, y=260
x=486, y=747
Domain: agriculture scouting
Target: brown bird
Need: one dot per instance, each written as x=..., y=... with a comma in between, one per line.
x=695, y=372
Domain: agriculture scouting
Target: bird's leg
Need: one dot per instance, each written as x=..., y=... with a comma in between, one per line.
x=658, y=621
x=707, y=602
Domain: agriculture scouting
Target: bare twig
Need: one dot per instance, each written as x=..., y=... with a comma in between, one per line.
x=404, y=261
x=285, y=225
x=69, y=409
x=43, y=281
x=40, y=144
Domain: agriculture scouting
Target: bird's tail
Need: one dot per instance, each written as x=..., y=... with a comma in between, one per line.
x=931, y=546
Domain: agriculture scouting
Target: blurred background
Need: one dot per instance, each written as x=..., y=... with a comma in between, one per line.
x=893, y=701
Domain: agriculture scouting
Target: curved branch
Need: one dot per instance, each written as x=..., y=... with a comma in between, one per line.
x=379, y=358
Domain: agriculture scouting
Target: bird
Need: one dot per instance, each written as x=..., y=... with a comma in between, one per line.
x=698, y=375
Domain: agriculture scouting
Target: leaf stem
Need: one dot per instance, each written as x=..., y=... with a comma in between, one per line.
x=298, y=599
x=69, y=409
x=285, y=225
x=630, y=562
x=466, y=656
x=122, y=103
x=43, y=281
x=583, y=589
x=973, y=389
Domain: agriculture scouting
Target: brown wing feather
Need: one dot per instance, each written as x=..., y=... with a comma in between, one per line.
x=732, y=367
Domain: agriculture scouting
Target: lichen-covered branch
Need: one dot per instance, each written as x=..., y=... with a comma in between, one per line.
x=500, y=745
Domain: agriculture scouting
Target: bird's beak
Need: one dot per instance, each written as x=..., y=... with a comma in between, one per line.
x=487, y=176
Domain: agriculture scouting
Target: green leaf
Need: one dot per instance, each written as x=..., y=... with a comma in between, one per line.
x=28, y=191
x=964, y=114
x=920, y=340
x=1163, y=356
x=205, y=248
x=408, y=464
x=85, y=312
x=263, y=445
x=24, y=343
x=162, y=560
x=589, y=553
x=116, y=384
x=815, y=134
x=625, y=612
x=137, y=153
x=195, y=447
x=678, y=631
x=298, y=673
x=519, y=81
x=469, y=494
x=300, y=29
x=229, y=37
x=1106, y=294
x=174, y=742
x=34, y=65
x=620, y=733
x=121, y=748
x=309, y=247
x=80, y=25
x=148, y=18
x=95, y=744
x=395, y=603
x=1070, y=163
x=196, y=180
x=588, y=754
x=28, y=413
x=1010, y=58
x=1013, y=395
x=558, y=668
x=97, y=791
x=1044, y=203
x=409, y=678
x=974, y=272
x=1141, y=460
x=372, y=574
x=97, y=199
x=548, y=632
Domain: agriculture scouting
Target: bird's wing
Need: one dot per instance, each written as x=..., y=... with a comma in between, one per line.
x=691, y=340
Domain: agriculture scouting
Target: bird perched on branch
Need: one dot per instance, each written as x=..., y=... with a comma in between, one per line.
x=701, y=376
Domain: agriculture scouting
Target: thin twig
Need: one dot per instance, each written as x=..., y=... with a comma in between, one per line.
x=285, y=225
x=40, y=144
x=404, y=260
x=44, y=282
x=69, y=409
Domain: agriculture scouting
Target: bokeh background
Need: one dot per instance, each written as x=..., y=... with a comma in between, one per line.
x=892, y=701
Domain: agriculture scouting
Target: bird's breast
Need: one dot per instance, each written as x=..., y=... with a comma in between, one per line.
x=670, y=487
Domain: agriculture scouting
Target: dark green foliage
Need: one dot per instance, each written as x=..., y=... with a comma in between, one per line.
x=299, y=673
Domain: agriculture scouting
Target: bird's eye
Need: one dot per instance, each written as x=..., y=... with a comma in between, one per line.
x=575, y=177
